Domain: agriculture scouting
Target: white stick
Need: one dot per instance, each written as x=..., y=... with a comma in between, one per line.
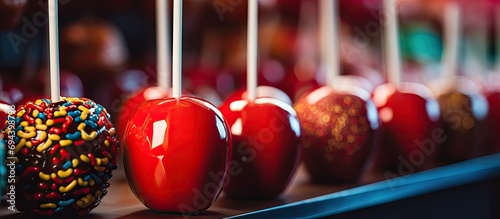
x=393, y=62
x=497, y=37
x=451, y=36
x=55, y=93
x=252, y=33
x=329, y=38
x=162, y=59
x=177, y=50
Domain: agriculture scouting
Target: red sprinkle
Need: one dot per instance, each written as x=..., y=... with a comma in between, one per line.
x=43, y=186
x=79, y=142
x=67, y=122
x=79, y=172
x=71, y=108
x=53, y=195
x=54, y=186
x=92, y=159
x=54, y=149
x=63, y=181
x=28, y=171
x=37, y=196
x=55, y=130
x=25, y=151
x=85, y=190
x=28, y=118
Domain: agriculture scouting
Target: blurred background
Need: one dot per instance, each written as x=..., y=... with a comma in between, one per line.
x=107, y=47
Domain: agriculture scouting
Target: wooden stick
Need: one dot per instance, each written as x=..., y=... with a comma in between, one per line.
x=177, y=50
x=252, y=33
x=162, y=44
x=55, y=90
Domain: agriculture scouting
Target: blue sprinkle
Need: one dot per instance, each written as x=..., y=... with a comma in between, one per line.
x=58, y=209
x=42, y=116
x=99, y=109
x=86, y=178
x=94, y=118
x=96, y=178
x=67, y=104
x=91, y=124
x=18, y=128
x=74, y=136
x=66, y=202
x=66, y=165
x=100, y=174
x=19, y=168
x=75, y=113
x=18, y=120
x=78, y=119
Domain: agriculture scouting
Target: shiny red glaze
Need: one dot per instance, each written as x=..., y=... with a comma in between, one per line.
x=340, y=130
x=266, y=146
x=180, y=165
x=412, y=132
x=127, y=109
x=262, y=91
x=493, y=119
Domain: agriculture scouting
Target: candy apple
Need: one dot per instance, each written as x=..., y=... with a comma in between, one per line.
x=266, y=138
x=340, y=127
x=11, y=12
x=411, y=127
x=177, y=153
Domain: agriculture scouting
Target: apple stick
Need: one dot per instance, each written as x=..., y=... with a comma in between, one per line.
x=177, y=50
x=451, y=36
x=162, y=59
x=497, y=38
x=393, y=62
x=252, y=49
x=55, y=90
x=329, y=39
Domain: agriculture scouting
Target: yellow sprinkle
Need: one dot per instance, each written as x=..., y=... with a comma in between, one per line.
x=84, y=158
x=109, y=155
x=54, y=137
x=29, y=144
x=46, y=145
x=85, y=200
x=38, y=121
x=41, y=127
x=68, y=188
x=106, y=142
x=53, y=175
x=42, y=136
x=91, y=182
x=59, y=113
x=65, y=142
x=98, y=161
x=50, y=122
x=81, y=127
x=38, y=102
x=34, y=113
x=98, y=193
x=26, y=135
x=80, y=204
x=20, y=145
x=81, y=182
x=112, y=131
x=48, y=205
x=45, y=177
x=75, y=162
x=100, y=168
x=21, y=113
x=29, y=128
x=104, y=161
x=24, y=123
x=88, y=137
x=65, y=173
x=85, y=112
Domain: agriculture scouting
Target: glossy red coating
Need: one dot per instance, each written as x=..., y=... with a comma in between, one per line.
x=340, y=129
x=262, y=91
x=266, y=147
x=412, y=132
x=493, y=121
x=176, y=154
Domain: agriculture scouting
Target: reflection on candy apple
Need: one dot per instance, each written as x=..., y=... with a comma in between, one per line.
x=464, y=111
x=177, y=153
x=340, y=129
x=492, y=93
x=66, y=152
x=262, y=91
x=266, y=139
x=411, y=126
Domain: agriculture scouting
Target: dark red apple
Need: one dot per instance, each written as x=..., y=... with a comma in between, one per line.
x=340, y=131
x=492, y=93
x=266, y=145
x=177, y=154
x=464, y=111
x=411, y=127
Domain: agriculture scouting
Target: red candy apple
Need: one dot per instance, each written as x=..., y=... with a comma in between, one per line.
x=492, y=93
x=177, y=153
x=262, y=91
x=464, y=111
x=10, y=12
x=340, y=130
x=411, y=127
x=266, y=134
